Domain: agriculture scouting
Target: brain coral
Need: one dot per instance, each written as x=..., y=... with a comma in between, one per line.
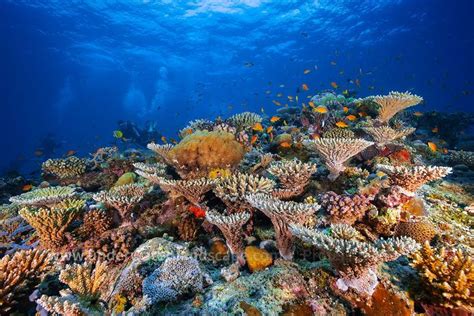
x=203, y=151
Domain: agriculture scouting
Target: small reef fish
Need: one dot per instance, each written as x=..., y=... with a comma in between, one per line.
x=164, y=140
x=306, y=71
x=311, y=104
x=334, y=85
x=274, y=119
x=333, y=63
x=320, y=109
x=418, y=114
x=345, y=93
x=351, y=117
x=285, y=144
x=279, y=95
x=269, y=129
x=38, y=153
x=248, y=64
x=254, y=139
x=197, y=211
x=432, y=146
x=257, y=127
x=345, y=109
x=70, y=153
x=342, y=124
x=305, y=87
x=276, y=103
x=118, y=134
x=27, y=187
x=380, y=174
x=435, y=130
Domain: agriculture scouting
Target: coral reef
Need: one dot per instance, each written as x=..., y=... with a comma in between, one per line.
x=44, y=196
x=345, y=209
x=336, y=151
x=419, y=229
x=384, y=135
x=293, y=176
x=65, y=168
x=245, y=120
x=393, y=103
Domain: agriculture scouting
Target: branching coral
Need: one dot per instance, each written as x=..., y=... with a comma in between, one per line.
x=244, y=120
x=232, y=190
x=355, y=261
x=231, y=228
x=163, y=152
x=199, y=153
x=177, y=276
x=123, y=198
x=393, y=103
x=411, y=178
x=196, y=125
x=345, y=209
x=448, y=276
x=293, y=175
x=282, y=214
x=86, y=282
x=95, y=222
x=336, y=151
x=19, y=274
x=44, y=196
x=51, y=224
x=65, y=168
x=384, y=135
x=147, y=168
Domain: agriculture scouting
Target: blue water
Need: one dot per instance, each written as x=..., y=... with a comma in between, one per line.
x=70, y=70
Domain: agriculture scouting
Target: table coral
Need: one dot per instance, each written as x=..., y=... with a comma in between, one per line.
x=44, y=196
x=231, y=228
x=393, y=103
x=384, y=135
x=293, y=176
x=65, y=167
x=282, y=214
x=448, y=276
x=336, y=151
x=51, y=224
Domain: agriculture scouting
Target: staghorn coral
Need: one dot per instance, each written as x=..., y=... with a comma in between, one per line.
x=86, y=283
x=244, y=120
x=448, y=276
x=45, y=196
x=411, y=178
x=199, y=153
x=65, y=168
x=384, y=135
x=51, y=224
x=339, y=133
x=419, y=229
x=177, y=276
x=355, y=261
x=293, y=175
x=123, y=198
x=232, y=190
x=282, y=214
x=345, y=209
x=19, y=274
x=336, y=151
x=393, y=103
x=231, y=228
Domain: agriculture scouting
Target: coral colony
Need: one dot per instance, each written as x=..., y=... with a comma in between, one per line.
x=338, y=208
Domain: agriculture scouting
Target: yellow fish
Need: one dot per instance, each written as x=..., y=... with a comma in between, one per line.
x=334, y=85
x=345, y=92
x=276, y=103
x=432, y=146
x=380, y=174
x=320, y=109
x=163, y=139
x=305, y=87
x=269, y=129
x=118, y=134
x=257, y=127
x=351, y=117
x=274, y=119
x=311, y=104
x=342, y=124
x=306, y=71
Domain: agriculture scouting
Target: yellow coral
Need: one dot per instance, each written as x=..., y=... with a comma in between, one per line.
x=199, y=153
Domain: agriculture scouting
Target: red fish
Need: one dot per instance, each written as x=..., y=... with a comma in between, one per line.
x=197, y=211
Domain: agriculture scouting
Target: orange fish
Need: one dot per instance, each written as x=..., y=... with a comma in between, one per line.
x=304, y=86
x=315, y=136
x=351, y=117
x=320, y=109
x=27, y=187
x=285, y=145
x=334, y=85
x=269, y=129
x=70, y=153
x=311, y=104
x=435, y=130
x=257, y=127
x=432, y=146
x=445, y=151
x=276, y=103
x=418, y=114
x=197, y=211
x=362, y=114
x=253, y=140
x=345, y=109
x=274, y=119
x=306, y=71
x=342, y=124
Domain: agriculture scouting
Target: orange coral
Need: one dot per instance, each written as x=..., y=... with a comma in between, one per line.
x=199, y=153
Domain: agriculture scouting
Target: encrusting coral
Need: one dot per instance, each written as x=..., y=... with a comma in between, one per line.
x=384, y=135
x=282, y=214
x=393, y=103
x=85, y=282
x=419, y=229
x=65, y=168
x=19, y=274
x=448, y=276
x=345, y=209
x=51, y=224
x=293, y=176
x=336, y=151
x=231, y=227
x=411, y=178
x=44, y=196
x=122, y=198
x=355, y=261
